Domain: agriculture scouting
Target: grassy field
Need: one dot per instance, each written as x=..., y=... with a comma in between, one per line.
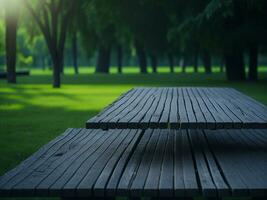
x=32, y=113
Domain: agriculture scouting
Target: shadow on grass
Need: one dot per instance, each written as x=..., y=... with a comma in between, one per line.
x=30, y=126
x=130, y=79
x=254, y=89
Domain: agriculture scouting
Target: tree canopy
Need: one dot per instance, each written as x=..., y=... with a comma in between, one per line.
x=189, y=31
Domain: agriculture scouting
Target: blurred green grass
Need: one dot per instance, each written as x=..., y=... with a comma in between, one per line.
x=33, y=113
x=134, y=70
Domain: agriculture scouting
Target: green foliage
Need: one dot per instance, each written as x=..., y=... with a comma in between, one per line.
x=24, y=48
x=24, y=61
x=2, y=38
x=236, y=23
x=160, y=26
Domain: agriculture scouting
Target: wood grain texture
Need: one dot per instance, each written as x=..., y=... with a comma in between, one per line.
x=182, y=108
x=158, y=163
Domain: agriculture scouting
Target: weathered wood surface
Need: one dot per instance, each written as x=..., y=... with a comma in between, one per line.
x=154, y=163
x=202, y=108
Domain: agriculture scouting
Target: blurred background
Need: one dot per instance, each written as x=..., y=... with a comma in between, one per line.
x=93, y=50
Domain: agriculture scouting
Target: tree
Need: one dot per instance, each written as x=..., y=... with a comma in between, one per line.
x=239, y=25
x=53, y=18
x=135, y=17
x=119, y=58
x=141, y=55
x=171, y=61
x=255, y=30
x=2, y=43
x=100, y=24
x=74, y=52
x=11, y=23
x=74, y=29
x=206, y=59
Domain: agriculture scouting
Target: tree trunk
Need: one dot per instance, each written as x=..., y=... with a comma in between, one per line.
x=184, y=63
x=153, y=60
x=43, y=62
x=56, y=72
x=196, y=61
x=253, y=62
x=206, y=58
x=141, y=54
x=119, y=57
x=74, y=53
x=170, y=58
x=222, y=65
x=11, y=47
x=234, y=63
x=61, y=66
x=103, y=60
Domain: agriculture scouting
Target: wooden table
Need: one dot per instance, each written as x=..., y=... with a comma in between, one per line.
x=185, y=108
x=173, y=154
x=153, y=163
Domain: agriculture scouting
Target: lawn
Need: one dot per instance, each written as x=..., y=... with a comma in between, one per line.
x=32, y=113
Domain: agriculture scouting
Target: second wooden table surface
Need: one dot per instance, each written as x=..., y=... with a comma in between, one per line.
x=184, y=107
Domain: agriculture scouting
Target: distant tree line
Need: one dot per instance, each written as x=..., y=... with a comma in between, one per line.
x=190, y=30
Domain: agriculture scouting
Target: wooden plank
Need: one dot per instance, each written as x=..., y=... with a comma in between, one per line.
x=250, y=120
x=145, y=123
x=183, y=115
x=184, y=107
x=166, y=183
x=189, y=110
x=225, y=109
x=67, y=165
x=251, y=165
x=210, y=120
x=47, y=174
x=257, y=151
x=116, y=107
x=138, y=182
x=166, y=111
x=213, y=167
x=139, y=110
x=70, y=188
x=111, y=185
x=121, y=100
x=229, y=167
x=132, y=166
x=252, y=103
x=137, y=120
x=174, y=114
x=29, y=161
x=206, y=182
x=57, y=187
x=189, y=171
x=179, y=182
x=159, y=163
x=200, y=118
x=154, y=121
x=258, y=136
x=78, y=166
x=39, y=164
x=151, y=187
x=253, y=110
x=126, y=107
x=221, y=119
x=105, y=161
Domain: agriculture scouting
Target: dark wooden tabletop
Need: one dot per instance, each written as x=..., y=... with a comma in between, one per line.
x=156, y=162
x=203, y=108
